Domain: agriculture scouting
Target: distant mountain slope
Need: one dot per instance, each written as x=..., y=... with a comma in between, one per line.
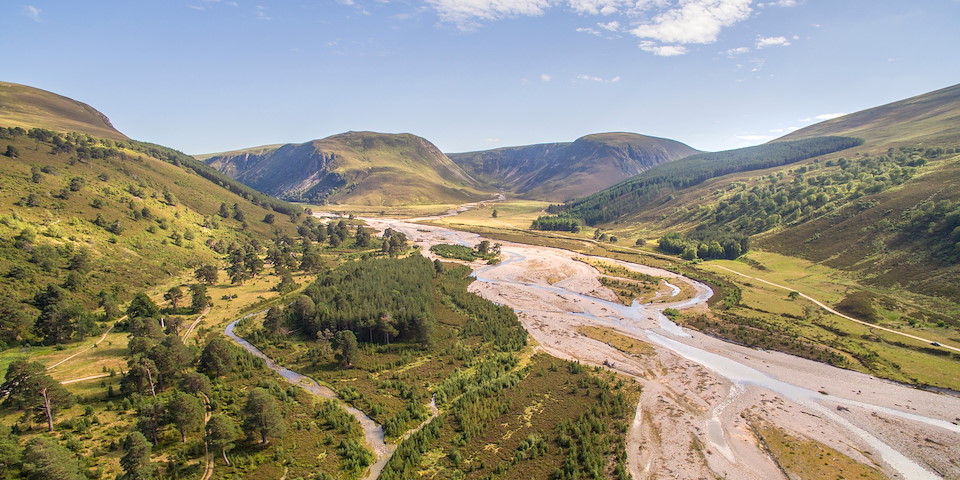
x=561, y=171
x=647, y=189
x=364, y=168
x=29, y=107
x=933, y=118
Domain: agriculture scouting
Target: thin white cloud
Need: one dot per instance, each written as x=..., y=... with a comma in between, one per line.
x=666, y=27
x=601, y=7
x=780, y=3
x=32, y=12
x=545, y=77
x=763, y=42
x=829, y=116
x=822, y=117
x=613, y=26
x=663, y=50
x=737, y=51
x=466, y=13
x=262, y=13
x=211, y=6
x=784, y=130
x=694, y=21
x=591, y=78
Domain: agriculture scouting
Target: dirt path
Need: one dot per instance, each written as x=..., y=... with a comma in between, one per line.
x=102, y=337
x=827, y=308
x=193, y=326
x=84, y=379
x=698, y=389
x=207, y=454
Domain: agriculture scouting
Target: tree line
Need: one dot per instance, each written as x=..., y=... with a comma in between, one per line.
x=705, y=244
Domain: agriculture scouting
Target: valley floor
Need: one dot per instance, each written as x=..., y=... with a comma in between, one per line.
x=710, y=408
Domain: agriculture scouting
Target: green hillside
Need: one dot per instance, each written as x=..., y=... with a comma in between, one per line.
x=644, y=190
x=561, y=171
x=30, y=107
x=883, y=210
x=925, y=120
x=132, y=214
x=359, y=168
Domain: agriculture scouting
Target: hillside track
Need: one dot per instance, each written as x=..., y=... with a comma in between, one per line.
x=102, y=338
x=193, y=326
x=831, y=310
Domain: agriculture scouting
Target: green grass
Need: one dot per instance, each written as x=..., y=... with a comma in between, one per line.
x=806, y=458
x=144, y=255
x=616, y=340
x=928, y=118
x=767, y=318
x=31, y=107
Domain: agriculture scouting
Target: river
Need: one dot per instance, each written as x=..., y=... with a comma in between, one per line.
x=538, y=300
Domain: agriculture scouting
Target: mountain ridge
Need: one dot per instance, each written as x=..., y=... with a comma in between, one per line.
x=929, y=116
x=29, y=107
x=367, y=168
x=563, y=170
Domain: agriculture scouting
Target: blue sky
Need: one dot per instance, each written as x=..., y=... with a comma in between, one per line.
x=213, y=75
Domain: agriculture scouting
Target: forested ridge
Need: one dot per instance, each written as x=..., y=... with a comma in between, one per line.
x=92, y=223
x=818, y=190
x=633, y=194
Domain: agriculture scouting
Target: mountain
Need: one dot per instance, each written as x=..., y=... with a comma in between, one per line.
x=560, y=171
x=363, y=168
x=932, y=118
x=29, y=107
